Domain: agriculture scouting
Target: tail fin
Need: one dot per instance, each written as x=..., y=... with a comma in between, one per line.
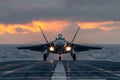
x=75, y=35
x=43, y=34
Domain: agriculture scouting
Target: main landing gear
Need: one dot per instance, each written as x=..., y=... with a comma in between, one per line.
x=45, y=56
x=73, y=55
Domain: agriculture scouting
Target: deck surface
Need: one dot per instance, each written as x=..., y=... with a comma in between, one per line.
x=73, y=70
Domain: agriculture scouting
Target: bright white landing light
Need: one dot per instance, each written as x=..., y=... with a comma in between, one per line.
x=68, y=48
x=51, y=48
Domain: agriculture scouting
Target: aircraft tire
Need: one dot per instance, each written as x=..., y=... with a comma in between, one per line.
x=74, y=57
x=45, y=57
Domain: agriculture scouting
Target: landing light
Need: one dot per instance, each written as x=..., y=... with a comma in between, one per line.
x=51, y=48
x=68, y=48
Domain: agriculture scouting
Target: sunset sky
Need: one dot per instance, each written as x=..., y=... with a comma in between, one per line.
x=99, y=21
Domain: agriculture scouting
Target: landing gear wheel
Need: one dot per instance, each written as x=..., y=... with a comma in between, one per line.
x=45, y=57
x=74, y=57
x=59, y=58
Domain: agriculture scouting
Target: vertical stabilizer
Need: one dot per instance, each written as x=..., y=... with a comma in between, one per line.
x=43, y=34
x=75, y=35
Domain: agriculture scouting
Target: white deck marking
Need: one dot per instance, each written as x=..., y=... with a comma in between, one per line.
x=59, y=73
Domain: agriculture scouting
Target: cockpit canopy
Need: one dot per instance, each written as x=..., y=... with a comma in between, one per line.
x=60, y=36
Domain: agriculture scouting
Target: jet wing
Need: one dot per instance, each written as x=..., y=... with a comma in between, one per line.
x=41, y=47
x=78, y=47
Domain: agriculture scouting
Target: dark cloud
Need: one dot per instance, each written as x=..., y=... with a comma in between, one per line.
x=23, y=11
x=87, y=2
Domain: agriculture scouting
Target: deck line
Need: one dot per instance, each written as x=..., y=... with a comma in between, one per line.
x=59, y=73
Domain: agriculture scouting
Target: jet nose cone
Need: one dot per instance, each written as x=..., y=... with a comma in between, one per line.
x=60, y=44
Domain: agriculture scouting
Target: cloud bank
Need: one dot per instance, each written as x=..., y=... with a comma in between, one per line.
x=24, y=11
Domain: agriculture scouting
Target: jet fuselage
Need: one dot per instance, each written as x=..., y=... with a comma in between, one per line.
x=60, y=45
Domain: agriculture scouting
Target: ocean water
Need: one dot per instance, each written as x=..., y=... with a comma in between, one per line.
x=11, y=53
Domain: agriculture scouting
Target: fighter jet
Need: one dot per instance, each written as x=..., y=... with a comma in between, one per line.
x=59, y=46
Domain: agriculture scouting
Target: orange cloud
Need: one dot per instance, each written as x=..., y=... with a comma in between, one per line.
x=51, y=25
x=7, y=29
x=93, y=25
x=55, y=26
x=106, y=28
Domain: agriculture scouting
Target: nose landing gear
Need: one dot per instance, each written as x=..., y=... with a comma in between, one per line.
x=74, y=57
x=59, y=57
